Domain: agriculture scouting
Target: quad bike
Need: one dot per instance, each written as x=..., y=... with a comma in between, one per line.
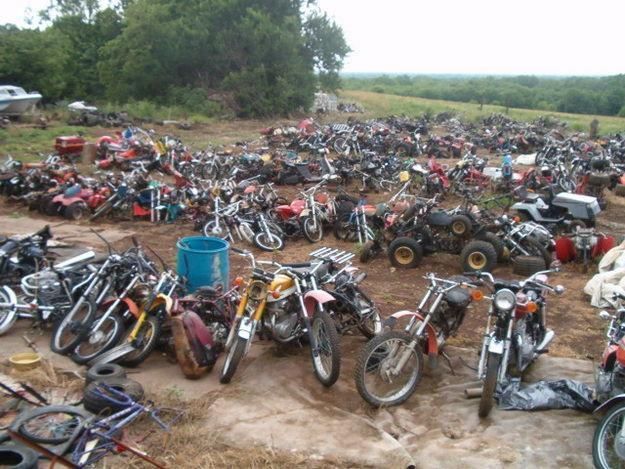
x=436, y=231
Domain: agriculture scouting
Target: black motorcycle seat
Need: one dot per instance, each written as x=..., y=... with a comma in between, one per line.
x=207, y=291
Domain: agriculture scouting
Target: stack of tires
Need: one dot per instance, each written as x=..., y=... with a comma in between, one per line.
x=113, y=376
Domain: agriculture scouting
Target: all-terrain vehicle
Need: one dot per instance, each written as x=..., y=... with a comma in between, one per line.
x=437, y=231
x=557, y=211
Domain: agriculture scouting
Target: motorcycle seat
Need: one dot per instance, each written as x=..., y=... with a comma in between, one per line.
x=208, y=291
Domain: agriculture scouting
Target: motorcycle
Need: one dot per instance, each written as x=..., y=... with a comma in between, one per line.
x=516, y=331
x=352, y=308
x=608, y=446
x=20, y=257
x=390, y=366
x=285, y=305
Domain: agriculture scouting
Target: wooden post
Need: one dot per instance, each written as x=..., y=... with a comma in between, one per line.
x=89, y=153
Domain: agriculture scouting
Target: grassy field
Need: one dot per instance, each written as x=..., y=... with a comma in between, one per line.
x=378, y=105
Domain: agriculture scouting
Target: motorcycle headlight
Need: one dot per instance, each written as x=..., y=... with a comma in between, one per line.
x=505, y=300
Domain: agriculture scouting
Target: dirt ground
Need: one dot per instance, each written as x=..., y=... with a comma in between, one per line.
x=275, y=402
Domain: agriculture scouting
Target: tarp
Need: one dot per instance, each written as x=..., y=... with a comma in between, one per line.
x=545, y=395
x=609, y=280
x=526, y=160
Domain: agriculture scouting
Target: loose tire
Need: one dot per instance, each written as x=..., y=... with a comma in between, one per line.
x=605, y=453
x=327, y=363
x=490, y=384
x=146, y=341
x=17, y=456
x=232, y=360
x=405, y=253
x=104, y=372
x=478, y=256
x=96, y=404
x=374, y=356
x=528, y=265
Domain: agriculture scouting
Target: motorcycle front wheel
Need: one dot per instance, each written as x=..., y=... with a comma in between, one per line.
x=215, y=229
x=608, y=448
x=99, y=341
x=327, y=362
x=377, y=381
x=233, y=358
x=490, y=384
x=313, y=232
x=268, y=241
x=72, y=329
x=144, y=343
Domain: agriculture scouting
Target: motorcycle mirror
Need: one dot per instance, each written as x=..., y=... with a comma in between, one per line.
x=559, y=289
x=605, y=315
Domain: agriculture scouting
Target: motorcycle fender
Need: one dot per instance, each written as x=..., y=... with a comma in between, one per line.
x=609, y=354
x=313, y=298
x=162, y=300
x=245, y=328
x=607, y=405
x=495, y=346
x=304, y=213
x=132, y=306
x=432, y=343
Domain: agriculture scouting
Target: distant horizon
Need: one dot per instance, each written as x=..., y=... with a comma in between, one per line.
x=461, y=74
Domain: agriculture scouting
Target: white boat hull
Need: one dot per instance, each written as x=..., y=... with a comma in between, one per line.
x=19, y=104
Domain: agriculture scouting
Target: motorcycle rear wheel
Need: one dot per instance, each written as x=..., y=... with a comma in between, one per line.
x=378, y=356
x=490, y=384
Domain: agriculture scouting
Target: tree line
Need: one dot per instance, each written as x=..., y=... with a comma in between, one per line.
x=255, y=57
x=581, y=95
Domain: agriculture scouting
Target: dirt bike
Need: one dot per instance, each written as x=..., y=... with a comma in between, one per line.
x=516, y=331
x=286, y=306
x=352, y=308
x=608, y=446
x=390, y=366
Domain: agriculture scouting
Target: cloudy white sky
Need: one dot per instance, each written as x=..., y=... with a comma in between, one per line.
x=550, y=37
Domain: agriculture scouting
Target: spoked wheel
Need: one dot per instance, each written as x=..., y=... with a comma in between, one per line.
x=51, y=424
x=327, y=362
x=108, y=335
x=8, y=315
x=70, y=331
x=268, y=241
x=215, y=229
x=370, y=323
x=313, y=231
x=490, y=384
x=233, y=358
x=144, y=343
x=377, y=379
x=608, y=446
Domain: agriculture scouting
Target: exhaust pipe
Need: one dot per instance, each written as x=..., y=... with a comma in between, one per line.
x=549, y=335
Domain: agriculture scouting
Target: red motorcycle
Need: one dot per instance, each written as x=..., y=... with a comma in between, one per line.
x=608, y=447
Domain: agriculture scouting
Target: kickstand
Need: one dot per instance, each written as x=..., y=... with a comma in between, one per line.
x=448, y=360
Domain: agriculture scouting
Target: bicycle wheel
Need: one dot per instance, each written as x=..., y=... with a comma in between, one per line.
x=51, y=424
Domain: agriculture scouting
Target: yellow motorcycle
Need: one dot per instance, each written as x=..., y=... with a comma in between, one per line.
x=285, y=305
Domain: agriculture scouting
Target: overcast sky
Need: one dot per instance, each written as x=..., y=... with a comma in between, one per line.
x=548, y=37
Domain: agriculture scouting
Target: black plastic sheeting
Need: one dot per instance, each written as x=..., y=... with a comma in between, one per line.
x=545, y=395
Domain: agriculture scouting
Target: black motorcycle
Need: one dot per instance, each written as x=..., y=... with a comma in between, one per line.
x=21, y=257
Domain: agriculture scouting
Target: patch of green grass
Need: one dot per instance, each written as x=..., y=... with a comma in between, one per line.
x=380, y=105
x=27, y=143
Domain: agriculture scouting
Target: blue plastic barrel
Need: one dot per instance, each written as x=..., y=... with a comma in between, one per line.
x=203, y=262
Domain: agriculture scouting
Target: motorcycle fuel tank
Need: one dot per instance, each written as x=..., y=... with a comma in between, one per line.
x=282, y=283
